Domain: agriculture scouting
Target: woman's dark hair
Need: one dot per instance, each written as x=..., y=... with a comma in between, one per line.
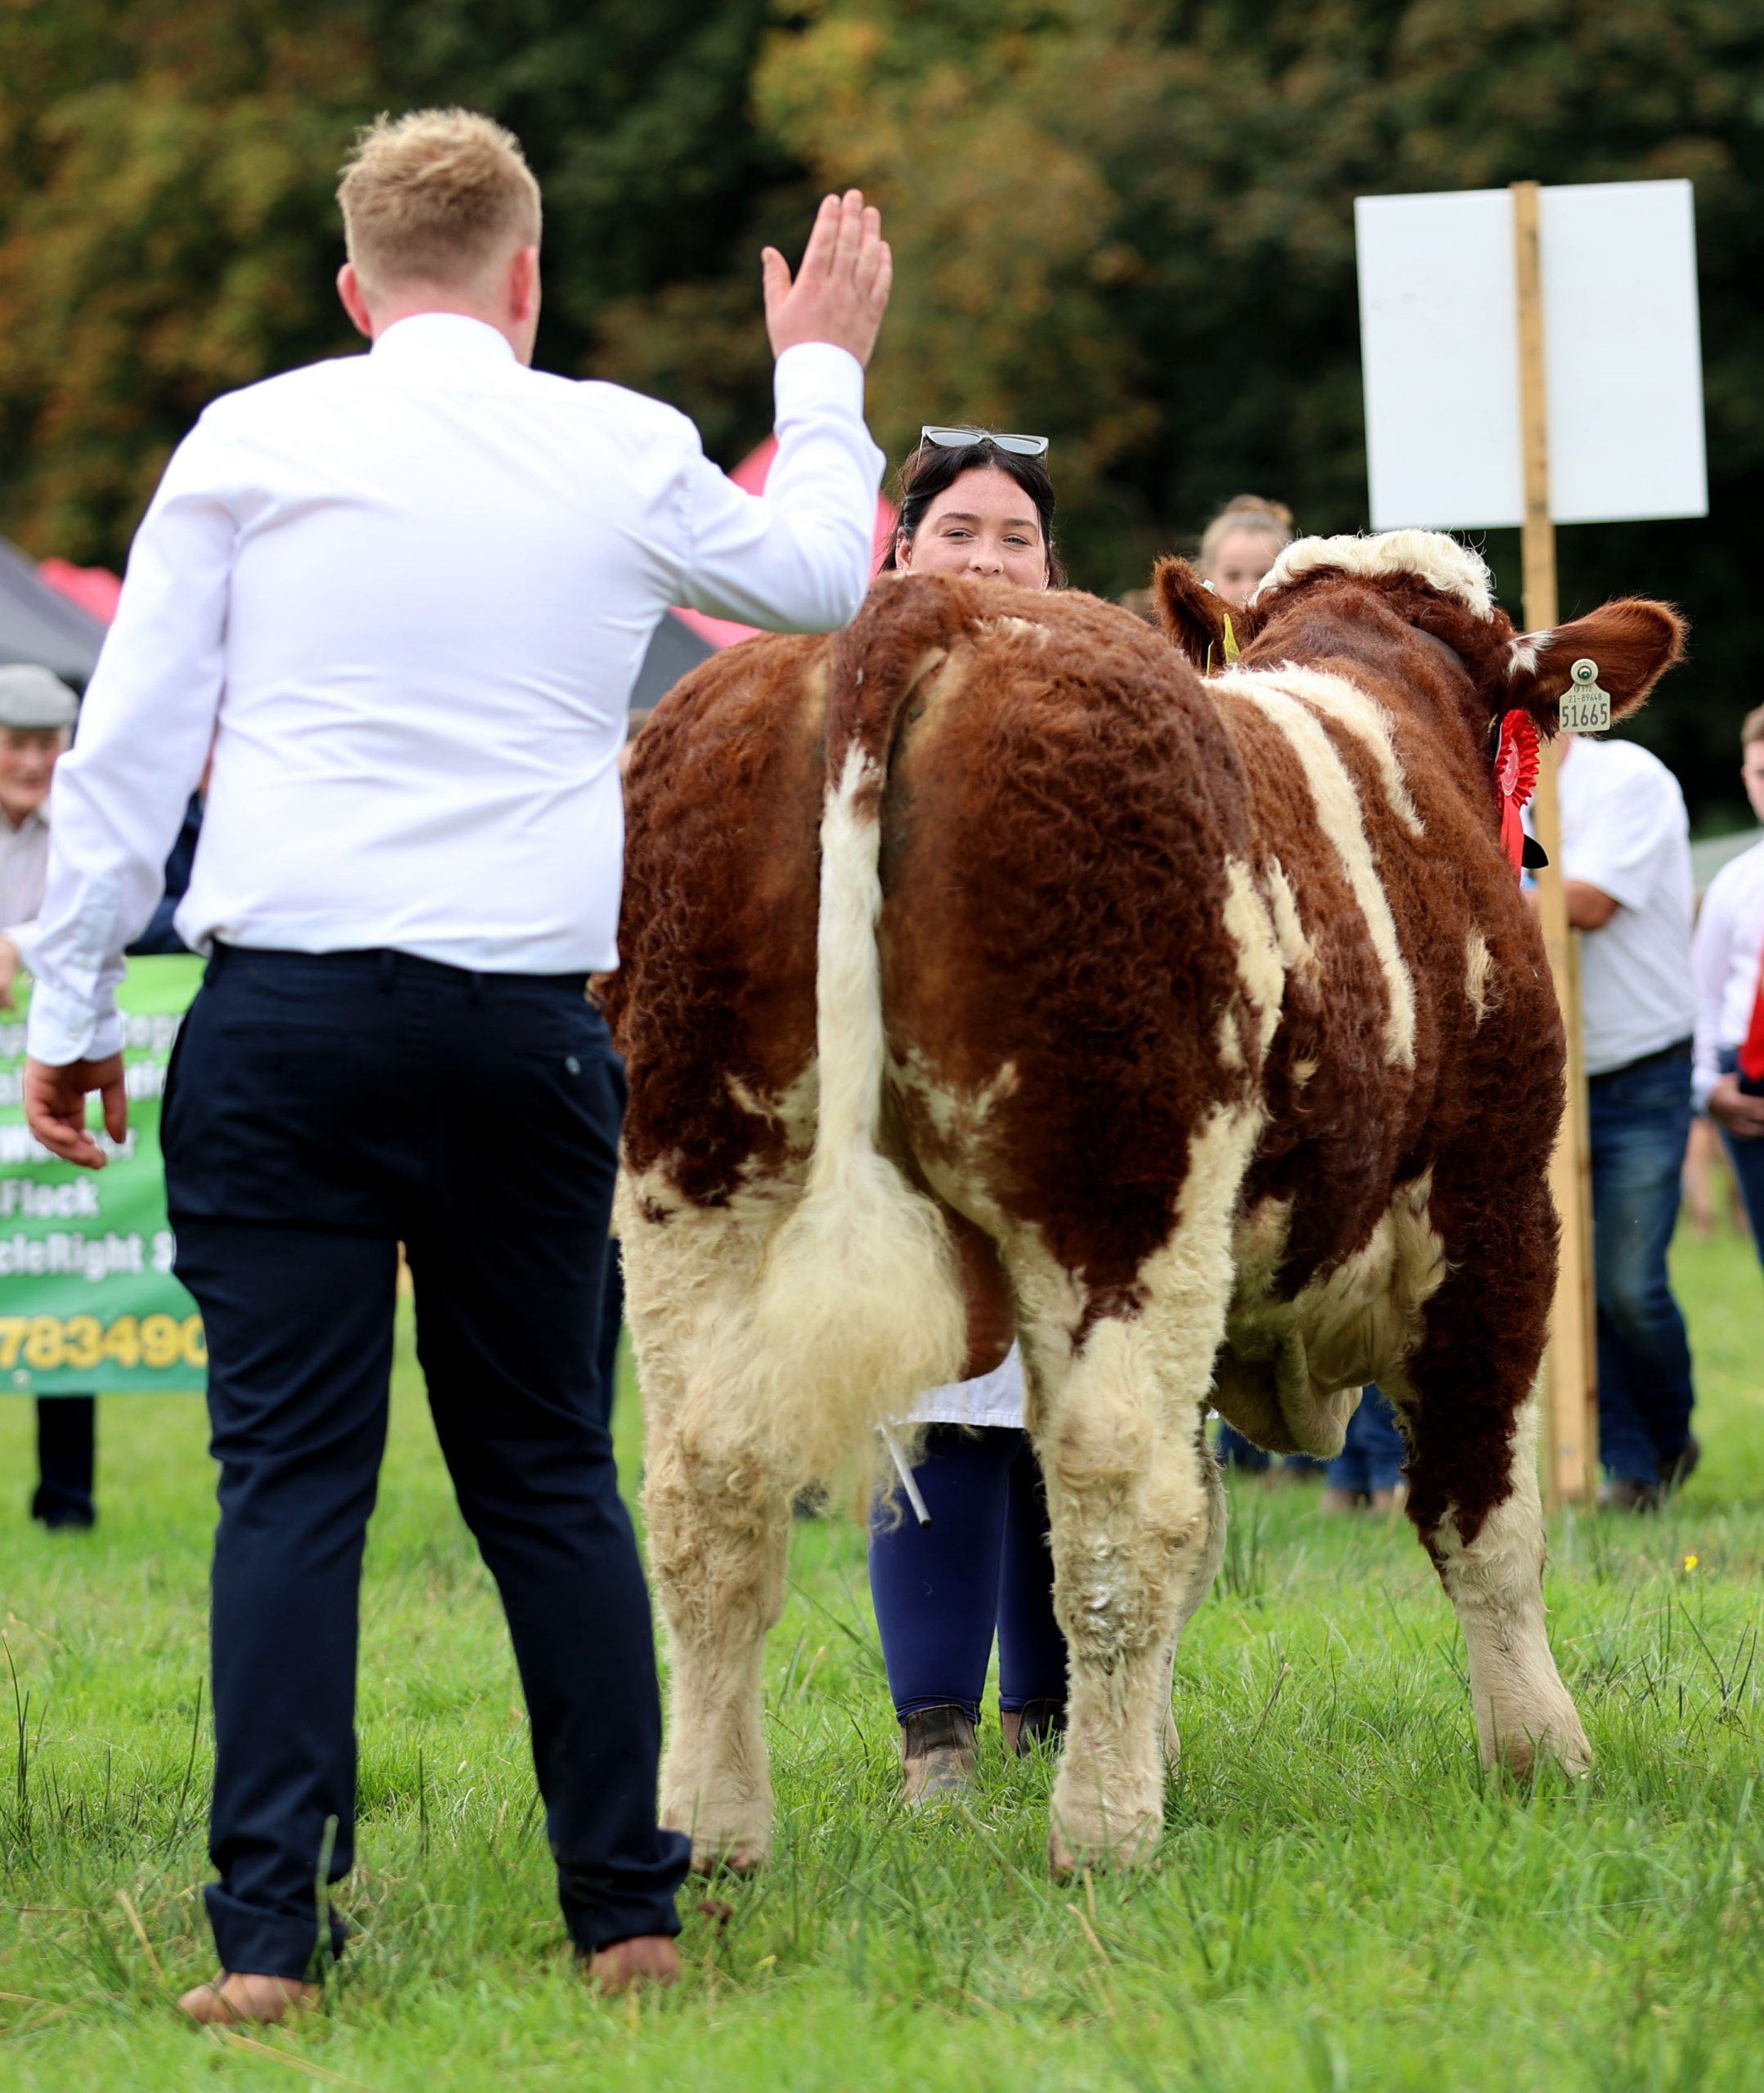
x=929, y=470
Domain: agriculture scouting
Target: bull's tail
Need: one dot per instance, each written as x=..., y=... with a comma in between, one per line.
x=861, y=1298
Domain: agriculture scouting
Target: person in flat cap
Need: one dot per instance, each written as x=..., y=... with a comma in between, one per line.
x=37, y=714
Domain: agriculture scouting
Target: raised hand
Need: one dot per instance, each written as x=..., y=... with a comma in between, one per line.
x=841, y=291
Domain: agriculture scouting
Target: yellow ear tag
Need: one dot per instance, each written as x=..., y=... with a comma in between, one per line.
x=1232, y=649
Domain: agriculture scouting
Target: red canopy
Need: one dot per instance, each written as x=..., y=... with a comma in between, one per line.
x=94, y=589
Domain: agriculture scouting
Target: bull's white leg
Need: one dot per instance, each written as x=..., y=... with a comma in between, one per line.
x=1135, y=1544
x=1495, y=1582
x=1134, y=1501
x=718, y=1523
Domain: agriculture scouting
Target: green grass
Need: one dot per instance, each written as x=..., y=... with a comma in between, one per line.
x=1344, y=1900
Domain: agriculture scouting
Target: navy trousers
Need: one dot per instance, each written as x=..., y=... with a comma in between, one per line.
x=983, y=1566
x=67, y=1452
x=318, y=1111
x=1372, y=1454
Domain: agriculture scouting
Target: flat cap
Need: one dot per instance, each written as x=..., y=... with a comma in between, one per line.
x=34, y=697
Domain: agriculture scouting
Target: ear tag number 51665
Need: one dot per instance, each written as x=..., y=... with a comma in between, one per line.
x=1585, y=708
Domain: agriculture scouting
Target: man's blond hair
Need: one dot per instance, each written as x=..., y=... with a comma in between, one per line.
x=1752, y=727
x=439, y=196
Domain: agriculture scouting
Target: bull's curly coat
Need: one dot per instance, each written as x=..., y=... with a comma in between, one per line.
x=1201, y=1017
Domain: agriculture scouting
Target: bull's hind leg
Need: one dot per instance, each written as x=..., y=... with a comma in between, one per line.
x=717, y=1513
x=1473, y=1496
x=1134, y=1501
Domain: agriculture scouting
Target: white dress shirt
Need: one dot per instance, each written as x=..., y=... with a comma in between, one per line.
x=406, y=596
x=1725, y=959
x=1625, y=831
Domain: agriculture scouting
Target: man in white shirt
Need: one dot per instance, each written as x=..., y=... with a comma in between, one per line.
x=1727, y=960
x=1626, y=861
x=405, y=596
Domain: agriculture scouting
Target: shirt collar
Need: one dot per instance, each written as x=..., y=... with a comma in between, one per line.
x=442, y=337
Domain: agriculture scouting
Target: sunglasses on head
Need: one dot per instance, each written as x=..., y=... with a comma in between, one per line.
x=960, y=439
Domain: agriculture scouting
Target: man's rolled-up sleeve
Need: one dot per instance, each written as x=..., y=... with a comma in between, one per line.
x=120, y=793
x=798, y=557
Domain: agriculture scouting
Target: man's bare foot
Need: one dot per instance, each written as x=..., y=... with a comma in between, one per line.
x=633, y=1965
x=236, y=1996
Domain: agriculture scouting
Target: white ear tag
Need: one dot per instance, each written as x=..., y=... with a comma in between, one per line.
x=1585, y=708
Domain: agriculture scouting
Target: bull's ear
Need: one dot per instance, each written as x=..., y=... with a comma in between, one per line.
x=1633, y=641
x=1191, y=614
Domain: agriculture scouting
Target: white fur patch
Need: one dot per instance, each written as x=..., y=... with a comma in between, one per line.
x=1360, y=714
x=1478, y=971
x=1296, y=951
x=1258, y=962
x=1021, y=628
x=1431, y=556
x=1522, y=653
x=1342, y=820
x=1355, y=1324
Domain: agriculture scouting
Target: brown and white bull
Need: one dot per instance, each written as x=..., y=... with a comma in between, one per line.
x=988, y=952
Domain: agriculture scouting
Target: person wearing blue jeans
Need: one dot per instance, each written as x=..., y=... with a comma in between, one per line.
x=1627, y=870
x=1369, y=1466
x=1639, y=1121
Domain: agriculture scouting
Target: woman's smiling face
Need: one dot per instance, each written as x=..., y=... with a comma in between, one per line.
x=983, y=524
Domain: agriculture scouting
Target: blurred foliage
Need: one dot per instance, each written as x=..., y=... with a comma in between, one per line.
x=1129, y=227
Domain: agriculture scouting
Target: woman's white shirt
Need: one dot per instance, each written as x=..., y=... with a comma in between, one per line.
x=995, y=1399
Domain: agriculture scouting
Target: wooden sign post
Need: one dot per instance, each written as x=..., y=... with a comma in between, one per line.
x=1570, y=1367
x=1598, y=418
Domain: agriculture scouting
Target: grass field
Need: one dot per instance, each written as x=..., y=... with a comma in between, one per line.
x=1344, y=1901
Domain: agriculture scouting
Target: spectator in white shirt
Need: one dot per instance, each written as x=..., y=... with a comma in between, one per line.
x=1727, y=960
x=406, y=595
x=1625, y=864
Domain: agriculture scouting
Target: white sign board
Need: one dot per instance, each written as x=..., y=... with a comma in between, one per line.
x=1440, y=341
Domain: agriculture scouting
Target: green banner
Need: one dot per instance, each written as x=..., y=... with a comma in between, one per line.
x=88, y=1304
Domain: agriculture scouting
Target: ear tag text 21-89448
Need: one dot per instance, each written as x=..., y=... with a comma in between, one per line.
x=1585, y=708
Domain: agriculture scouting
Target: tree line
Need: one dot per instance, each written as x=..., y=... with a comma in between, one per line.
x=1128, y=227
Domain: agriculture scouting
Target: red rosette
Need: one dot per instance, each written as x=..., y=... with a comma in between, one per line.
x=1516, y=758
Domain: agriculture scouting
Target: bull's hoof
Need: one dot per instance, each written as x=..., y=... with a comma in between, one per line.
x=1124, y=1843
x=739, y=1856
x=1563, y=1744
x=1519, y=1733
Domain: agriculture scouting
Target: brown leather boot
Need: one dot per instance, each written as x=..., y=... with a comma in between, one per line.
x=939, y=1754
x=1041, y=1722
